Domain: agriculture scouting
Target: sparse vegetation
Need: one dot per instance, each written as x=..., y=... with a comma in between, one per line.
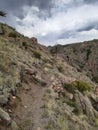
x=95, y=79
x=79, y=85
x=60, y=69
x=37, y=54
x=69, y=87
x=44, y=106
x=88, y=54
x=24, y=44
x=48, y=91
x=45, y=114
x=12, y=34
x=50, y=125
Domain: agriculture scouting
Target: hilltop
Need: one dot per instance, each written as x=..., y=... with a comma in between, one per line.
x=47, y=88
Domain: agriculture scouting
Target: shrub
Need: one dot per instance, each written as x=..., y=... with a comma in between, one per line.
x=88, y=54
x=37, y=54
x=39, y=81
x=82, y=86
x=73, y=104
x=69, y=87
x=60, y=69
x=50, y=125
x=48, y=91
x=77, y=85
x=12, y=34
x=95, y=79
x=24, y=44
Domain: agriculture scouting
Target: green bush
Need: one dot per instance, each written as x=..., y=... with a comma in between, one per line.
x=12, y=34
x=60, y=69
x=88, y=54
x=69, y=87
x=73, y=104
x=37, y=54
x=82, y=86
x=95, y=79
x=24, y=44
x=77, y=85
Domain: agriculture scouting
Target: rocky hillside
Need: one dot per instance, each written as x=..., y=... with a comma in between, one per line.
x=83, y=56
x=44, y=88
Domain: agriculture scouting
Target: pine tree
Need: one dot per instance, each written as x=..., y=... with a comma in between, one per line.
x=3, y=14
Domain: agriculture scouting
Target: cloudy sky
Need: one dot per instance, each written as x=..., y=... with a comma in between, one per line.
x=53, y=21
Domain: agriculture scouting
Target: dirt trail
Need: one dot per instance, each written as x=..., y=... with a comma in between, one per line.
x=28, y=113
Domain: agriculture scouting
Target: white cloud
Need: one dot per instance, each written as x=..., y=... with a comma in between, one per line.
x=63, y=20
x=80, y=37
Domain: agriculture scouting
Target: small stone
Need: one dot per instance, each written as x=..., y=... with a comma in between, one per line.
x=9, y=110
x=4, y=115
x=14, y=125
x=25, y=106
x=13, y=97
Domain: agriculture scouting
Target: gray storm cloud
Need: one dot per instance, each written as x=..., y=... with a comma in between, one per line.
x=53, y=21
x=15, y=5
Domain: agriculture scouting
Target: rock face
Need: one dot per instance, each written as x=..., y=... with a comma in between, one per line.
x=34, y=40
x=84, y=105
x=96, y=90
x=82, y=56
x=4, y=116
x=14, y=126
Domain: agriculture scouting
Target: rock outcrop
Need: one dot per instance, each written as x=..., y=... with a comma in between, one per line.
x=5, y=116
x=82, y=56
x=34, y=40
x=84, y=105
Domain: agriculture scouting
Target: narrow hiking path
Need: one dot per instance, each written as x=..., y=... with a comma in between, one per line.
x=37, y=121
x=28, y=112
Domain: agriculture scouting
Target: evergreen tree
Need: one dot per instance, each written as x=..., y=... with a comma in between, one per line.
x=3, y=14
